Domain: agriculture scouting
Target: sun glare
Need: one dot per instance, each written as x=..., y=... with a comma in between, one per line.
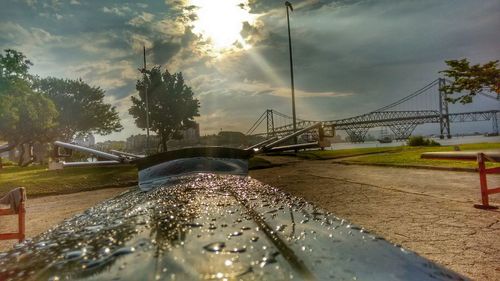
x=220, y=22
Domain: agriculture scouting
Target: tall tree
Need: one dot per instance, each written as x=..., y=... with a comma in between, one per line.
x=81, y=107
x=469, y=80
x=172, y=105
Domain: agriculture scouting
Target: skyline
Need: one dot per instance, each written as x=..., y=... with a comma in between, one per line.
x=351, y=57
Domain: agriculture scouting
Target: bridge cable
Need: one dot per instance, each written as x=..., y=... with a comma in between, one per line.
x=412, y=95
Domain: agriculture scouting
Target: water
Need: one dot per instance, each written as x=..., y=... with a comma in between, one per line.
x=453, y=141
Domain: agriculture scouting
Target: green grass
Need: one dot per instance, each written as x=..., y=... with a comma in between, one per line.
x=411, y=156
x=39, y=181
x=334, y=154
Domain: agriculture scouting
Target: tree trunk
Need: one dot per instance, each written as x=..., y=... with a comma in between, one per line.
x=21, y=155
x=31, y=158
x=164, y=143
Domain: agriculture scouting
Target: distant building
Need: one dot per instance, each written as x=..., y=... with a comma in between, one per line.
x=192, y=134
x=137, y=143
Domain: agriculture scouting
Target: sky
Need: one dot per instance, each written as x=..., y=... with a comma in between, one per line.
x=350, y=57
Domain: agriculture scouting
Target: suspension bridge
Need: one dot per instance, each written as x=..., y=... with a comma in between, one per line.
x=426, y=105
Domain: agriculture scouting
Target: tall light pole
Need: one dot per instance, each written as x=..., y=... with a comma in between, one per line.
x=143, y=71
x=288, y=7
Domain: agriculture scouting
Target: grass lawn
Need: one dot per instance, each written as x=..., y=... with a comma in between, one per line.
x=39, y=181
x=406, y=155
x=334, y=154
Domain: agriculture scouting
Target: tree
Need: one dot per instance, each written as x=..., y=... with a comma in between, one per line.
x=26, y=117
x=13, y=66
x=81, y=107
x=469, y=80
x=172, y=105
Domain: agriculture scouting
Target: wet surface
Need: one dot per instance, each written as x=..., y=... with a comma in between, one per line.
x=206, y=227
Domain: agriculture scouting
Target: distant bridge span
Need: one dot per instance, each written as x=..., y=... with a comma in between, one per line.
x=401, y=122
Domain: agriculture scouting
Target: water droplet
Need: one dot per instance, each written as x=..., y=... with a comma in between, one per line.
x=281, y=227
x=268, y=259
x=238, y=250
x=73, y=255
x=123, y=251
x=215, y=247
x=236, y=233
x=194, y=224
x=254, y=239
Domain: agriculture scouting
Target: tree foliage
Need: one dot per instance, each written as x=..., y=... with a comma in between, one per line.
x=34, y=110
x=469, y=80
x=13, y=66
x=25, y=116
x=81, y=107
x=172, y=105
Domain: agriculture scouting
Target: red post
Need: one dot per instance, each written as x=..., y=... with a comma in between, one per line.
x=22, y=217
x=482, y=181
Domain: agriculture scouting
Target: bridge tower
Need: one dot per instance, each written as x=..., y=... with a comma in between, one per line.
x=494, y=119
x=444, y=119
x=270, y=123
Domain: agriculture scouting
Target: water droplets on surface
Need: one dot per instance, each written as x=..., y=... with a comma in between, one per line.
x=215, y=247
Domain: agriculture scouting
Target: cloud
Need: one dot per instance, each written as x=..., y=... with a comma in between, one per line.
x=117, y=10
x=142, y=19
x=350, y=57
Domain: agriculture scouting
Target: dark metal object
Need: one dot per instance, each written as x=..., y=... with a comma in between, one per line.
x=98, y=153
x=210, y=151
x=205, y=227
x=293, y=135
x=261, y=144
x=293, y=147
x=161, y=168
x=288, y=5
x=143, y=70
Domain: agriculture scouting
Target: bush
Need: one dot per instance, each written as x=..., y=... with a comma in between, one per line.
x=421, y=141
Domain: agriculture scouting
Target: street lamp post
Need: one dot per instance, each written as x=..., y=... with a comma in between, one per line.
x=288, y=6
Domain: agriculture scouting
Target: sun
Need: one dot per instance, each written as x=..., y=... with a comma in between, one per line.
x=220, y=22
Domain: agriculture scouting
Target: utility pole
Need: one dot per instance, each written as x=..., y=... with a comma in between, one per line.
x=143, y=71
x=288, y=6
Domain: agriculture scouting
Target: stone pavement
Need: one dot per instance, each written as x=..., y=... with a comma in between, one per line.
x=427, y=211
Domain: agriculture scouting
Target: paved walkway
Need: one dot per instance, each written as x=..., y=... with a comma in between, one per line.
x=427, y=211
x=45, y=212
